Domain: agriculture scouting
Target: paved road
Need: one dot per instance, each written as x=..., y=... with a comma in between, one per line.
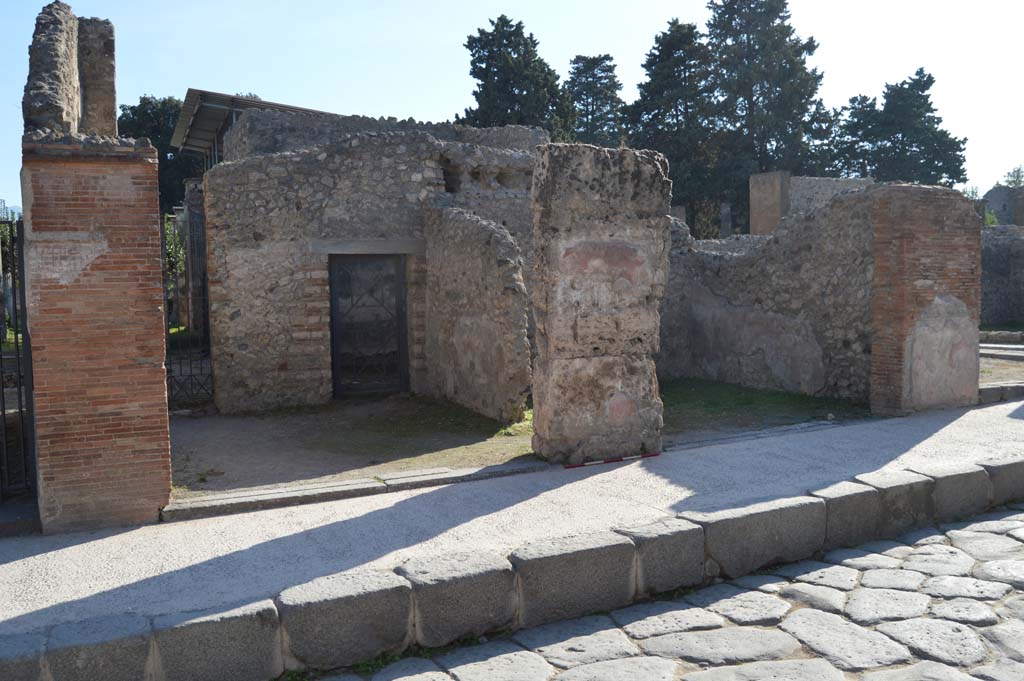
x=194, y=565
x=941, y=605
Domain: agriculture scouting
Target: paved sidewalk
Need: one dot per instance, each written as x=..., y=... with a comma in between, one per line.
x=939, y=606
x=217, y=561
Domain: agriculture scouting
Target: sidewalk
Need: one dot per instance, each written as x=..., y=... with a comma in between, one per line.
x=204, y=563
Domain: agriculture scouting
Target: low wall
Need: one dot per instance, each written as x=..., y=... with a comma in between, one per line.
x=786, y=312
x=776, y=195
x=476, y=310
x=1002, y=275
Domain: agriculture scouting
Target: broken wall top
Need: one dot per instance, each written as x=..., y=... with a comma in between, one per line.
x=70, y=88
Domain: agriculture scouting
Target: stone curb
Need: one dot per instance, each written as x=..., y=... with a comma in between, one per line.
x=1001, y=336
x=229, y=503
x=341, y=619
x=1000, y=392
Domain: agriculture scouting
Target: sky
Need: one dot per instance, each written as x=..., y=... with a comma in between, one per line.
x=406, y=58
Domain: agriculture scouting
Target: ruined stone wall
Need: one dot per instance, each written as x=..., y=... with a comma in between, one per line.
x=807, y=194
x=925, y=298
x=1002, y=275
x=272, y=222
x=70, y=86
x=789, y=311
x=1007, y=203
x=601, y=239
x=264, y=131
x=776, y=195
x=476, y=313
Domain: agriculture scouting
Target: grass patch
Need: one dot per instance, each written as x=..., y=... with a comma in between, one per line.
x=695, y=404
x=7, y=342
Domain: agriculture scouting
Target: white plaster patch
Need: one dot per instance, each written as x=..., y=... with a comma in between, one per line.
x=64, y=256
x=941, y=368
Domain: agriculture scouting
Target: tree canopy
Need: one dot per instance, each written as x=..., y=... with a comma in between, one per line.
x=155, y=118
x=593, y=90
x=514, y=85
x=901, y=140
x=1014, y=178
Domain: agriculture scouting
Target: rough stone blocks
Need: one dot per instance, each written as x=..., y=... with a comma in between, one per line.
x=742, y=540
x=906, y=500
x=853, y=513
x=460, y=595
x=1007, y=476
x=236, y=644
x=670, y=554
x=572, y=576
x=960, y=491
x=345, y=618
x=601, y=240
x=113, y=649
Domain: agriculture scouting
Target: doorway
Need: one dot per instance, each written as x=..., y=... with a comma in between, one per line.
x=369, y=341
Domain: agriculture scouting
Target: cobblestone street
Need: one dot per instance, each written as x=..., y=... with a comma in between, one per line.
x=942, y=604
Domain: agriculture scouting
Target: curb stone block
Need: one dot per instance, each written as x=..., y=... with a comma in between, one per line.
x=853, y=513
x=109, y=648
x=225, y=644
x=906, y=500
x=21, y=656
x=459, y=595
x=960, y=491
x=572, y=576
x=344, y=618
x=670, y=554
x=744, y=539
x=1007, y=476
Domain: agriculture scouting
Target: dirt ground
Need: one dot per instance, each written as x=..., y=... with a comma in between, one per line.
x=364, y=438
x=1001, y=370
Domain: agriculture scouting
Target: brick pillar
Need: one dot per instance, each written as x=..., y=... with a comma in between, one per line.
x=925, y=299
x=769, y=201
x=601, y=243
x=95, y=304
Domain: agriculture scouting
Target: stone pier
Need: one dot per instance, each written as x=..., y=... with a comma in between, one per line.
x=601, y=238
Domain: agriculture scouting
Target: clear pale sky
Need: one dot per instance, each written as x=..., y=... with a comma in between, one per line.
x=406, y=58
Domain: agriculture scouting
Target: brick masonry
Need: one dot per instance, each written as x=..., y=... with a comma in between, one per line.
x=925, y=299
x=95, y=304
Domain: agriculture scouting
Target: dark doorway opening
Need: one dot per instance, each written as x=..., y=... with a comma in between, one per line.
x=369, y=343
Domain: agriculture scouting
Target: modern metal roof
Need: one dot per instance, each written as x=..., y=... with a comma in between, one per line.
x=204, y=113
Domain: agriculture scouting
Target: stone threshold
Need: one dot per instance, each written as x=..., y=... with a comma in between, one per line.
x=336, y=621
x=990, y=393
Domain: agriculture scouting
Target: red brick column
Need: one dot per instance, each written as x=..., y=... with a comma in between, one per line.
x=95, y=313
x=925, y=299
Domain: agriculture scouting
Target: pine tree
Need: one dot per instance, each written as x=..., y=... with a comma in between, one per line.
x=769, y=96
x=903, y=139
x=593, y=89
x=515, y=86
x=675, y=113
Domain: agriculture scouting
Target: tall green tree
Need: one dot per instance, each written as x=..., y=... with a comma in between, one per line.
x=514, y=85
x=675, y=113
x=769, y=95
x=901, y=140
x=1015, y=178
x=593, y=89
x=155, y=118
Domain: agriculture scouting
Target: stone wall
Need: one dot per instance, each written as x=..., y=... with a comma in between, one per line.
x=925, y=298
x=476, y=311
x=788, y=311
x=776, y=195
x=70, y=86
x=272, y=223
x=601, y=236
x=1002, y=275
x=264, y=131
x=95, y=314
x=1007, y=203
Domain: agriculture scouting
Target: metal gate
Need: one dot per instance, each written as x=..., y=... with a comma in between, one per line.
x=17, y=446
x=368, y=326
x=186, y=311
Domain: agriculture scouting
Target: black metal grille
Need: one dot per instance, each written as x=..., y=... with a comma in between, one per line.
x=17, y=446
x=368, y=325
x=189, y=374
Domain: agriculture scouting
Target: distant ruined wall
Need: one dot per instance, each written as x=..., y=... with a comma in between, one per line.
x=807, y=194
x=787, y=312
x=264, y=131
x=476, y=311
x=1007, y=203
x=1002, y=275
x=776, y=195
x=601, y=235
x=70, y=86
